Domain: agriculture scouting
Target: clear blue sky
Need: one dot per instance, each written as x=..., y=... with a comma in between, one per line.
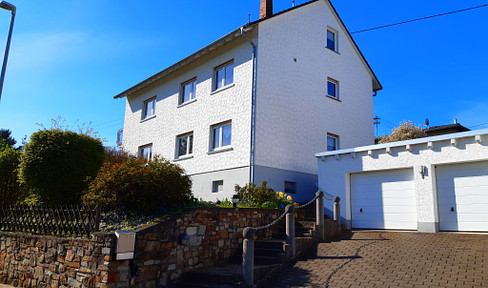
x=69, y=58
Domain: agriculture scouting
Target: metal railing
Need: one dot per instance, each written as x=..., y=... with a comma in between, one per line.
x=249, y=233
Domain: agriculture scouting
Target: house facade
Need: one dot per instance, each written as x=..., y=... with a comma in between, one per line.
x=431, y=184
x=257, y=104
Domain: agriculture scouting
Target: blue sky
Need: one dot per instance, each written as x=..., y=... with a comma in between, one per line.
x=69, y=58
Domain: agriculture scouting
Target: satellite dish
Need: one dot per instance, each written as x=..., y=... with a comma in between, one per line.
x=427, y=122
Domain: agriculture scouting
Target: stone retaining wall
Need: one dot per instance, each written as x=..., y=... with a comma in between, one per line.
x=198, y=238
x=195, y=238
x=45, y=261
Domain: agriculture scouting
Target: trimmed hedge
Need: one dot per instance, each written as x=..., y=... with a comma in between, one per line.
x=56, y=164
x=10, y=192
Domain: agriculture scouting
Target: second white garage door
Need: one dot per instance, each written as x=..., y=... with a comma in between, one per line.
x=462, y=191
x=384, y=200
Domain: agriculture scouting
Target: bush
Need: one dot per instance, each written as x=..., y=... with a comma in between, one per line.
x=10, y=191
x=131, y=184
x=56, y=163
x=255, y=195
x=406, y=131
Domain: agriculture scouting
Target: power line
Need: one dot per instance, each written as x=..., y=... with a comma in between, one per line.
x=478, y=125
x=418, y=19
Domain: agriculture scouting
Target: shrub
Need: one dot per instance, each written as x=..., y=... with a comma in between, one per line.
x=406, y=131
x=131, y=184
x=10, y=192
x=255, y=195
x=56, y=163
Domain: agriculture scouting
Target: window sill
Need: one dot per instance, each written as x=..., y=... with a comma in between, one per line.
x=187, y=103
x=183, y=158
x=223, y=88
x=333, y=98
x=333, y=50
x=219, y=150
x=148, y=118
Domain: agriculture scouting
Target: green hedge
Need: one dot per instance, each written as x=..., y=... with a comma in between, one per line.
x=56, y=165
x=10, y=192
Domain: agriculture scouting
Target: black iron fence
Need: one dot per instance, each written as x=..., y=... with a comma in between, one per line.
x=60, y=220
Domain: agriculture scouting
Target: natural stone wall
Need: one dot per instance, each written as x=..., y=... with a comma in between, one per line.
x=192, y=239
x=45, y=261
x=197, y=238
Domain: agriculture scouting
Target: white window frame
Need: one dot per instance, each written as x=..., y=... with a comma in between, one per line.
x=181, y=97
x=189, y=152
x=217, y=186
x=222, y=68
x=336, y=88
x=219, y=127
x=336, y=141
x=336, y=39
x=141, y=151
x=145, y=115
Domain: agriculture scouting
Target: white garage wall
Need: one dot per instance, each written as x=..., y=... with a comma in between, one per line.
x=335, y=168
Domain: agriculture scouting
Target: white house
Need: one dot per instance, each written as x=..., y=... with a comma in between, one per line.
x=257, y=103
x=431, y=184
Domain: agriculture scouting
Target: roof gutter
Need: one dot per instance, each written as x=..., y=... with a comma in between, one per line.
x=253, y=106
x=214, y=45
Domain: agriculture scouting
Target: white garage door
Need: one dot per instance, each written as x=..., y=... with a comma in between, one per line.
x=462, y=192
x=384, y=200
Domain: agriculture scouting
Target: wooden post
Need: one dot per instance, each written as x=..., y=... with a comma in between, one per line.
x=319, y=205
x=248, y=256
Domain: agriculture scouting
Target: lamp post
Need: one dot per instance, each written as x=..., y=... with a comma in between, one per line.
x=235, y=200
x=7, y=6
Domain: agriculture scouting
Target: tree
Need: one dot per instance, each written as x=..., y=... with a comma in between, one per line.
x=10, y=191
x=406, y=131
x=6, y=138
x=132, y=184
x=56, y=163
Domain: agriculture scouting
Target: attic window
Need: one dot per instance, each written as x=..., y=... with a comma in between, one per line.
x=332, y=39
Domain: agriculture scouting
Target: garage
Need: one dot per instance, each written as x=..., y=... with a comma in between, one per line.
x=462, y=192
x=384, y=200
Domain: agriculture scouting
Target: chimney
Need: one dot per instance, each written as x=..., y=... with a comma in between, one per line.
x=266, y=9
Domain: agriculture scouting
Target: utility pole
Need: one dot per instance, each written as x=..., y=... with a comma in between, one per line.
x=376, y=124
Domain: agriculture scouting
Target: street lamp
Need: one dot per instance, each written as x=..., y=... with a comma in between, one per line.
x=7, y=6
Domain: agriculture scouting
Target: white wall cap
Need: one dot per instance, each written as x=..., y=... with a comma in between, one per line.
x=407, y=142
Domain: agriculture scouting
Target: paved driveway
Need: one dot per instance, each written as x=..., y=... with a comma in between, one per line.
x=392, y=259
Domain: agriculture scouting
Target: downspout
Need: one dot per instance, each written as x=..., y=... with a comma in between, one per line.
x=253, y=107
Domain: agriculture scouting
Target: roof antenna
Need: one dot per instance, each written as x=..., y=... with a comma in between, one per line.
x=249, y=18
x=293, y=4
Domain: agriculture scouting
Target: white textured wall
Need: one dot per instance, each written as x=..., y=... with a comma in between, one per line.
x=334, y=173
x=210, y=108
x=293, y=112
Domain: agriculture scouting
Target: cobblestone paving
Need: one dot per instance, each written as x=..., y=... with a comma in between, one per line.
x=391, y=259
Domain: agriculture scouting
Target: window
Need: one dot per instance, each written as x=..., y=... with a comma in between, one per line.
x=145, y=152
x=290, y=187
x=331, y=40
x=332, y=88
x=188, y=91
x=224, y=75
x=149, y=108
x=332, y=142
x=221, y=135
x=184, y=145
x=217, y=186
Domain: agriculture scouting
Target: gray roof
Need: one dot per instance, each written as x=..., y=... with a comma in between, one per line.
x=229, y=37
